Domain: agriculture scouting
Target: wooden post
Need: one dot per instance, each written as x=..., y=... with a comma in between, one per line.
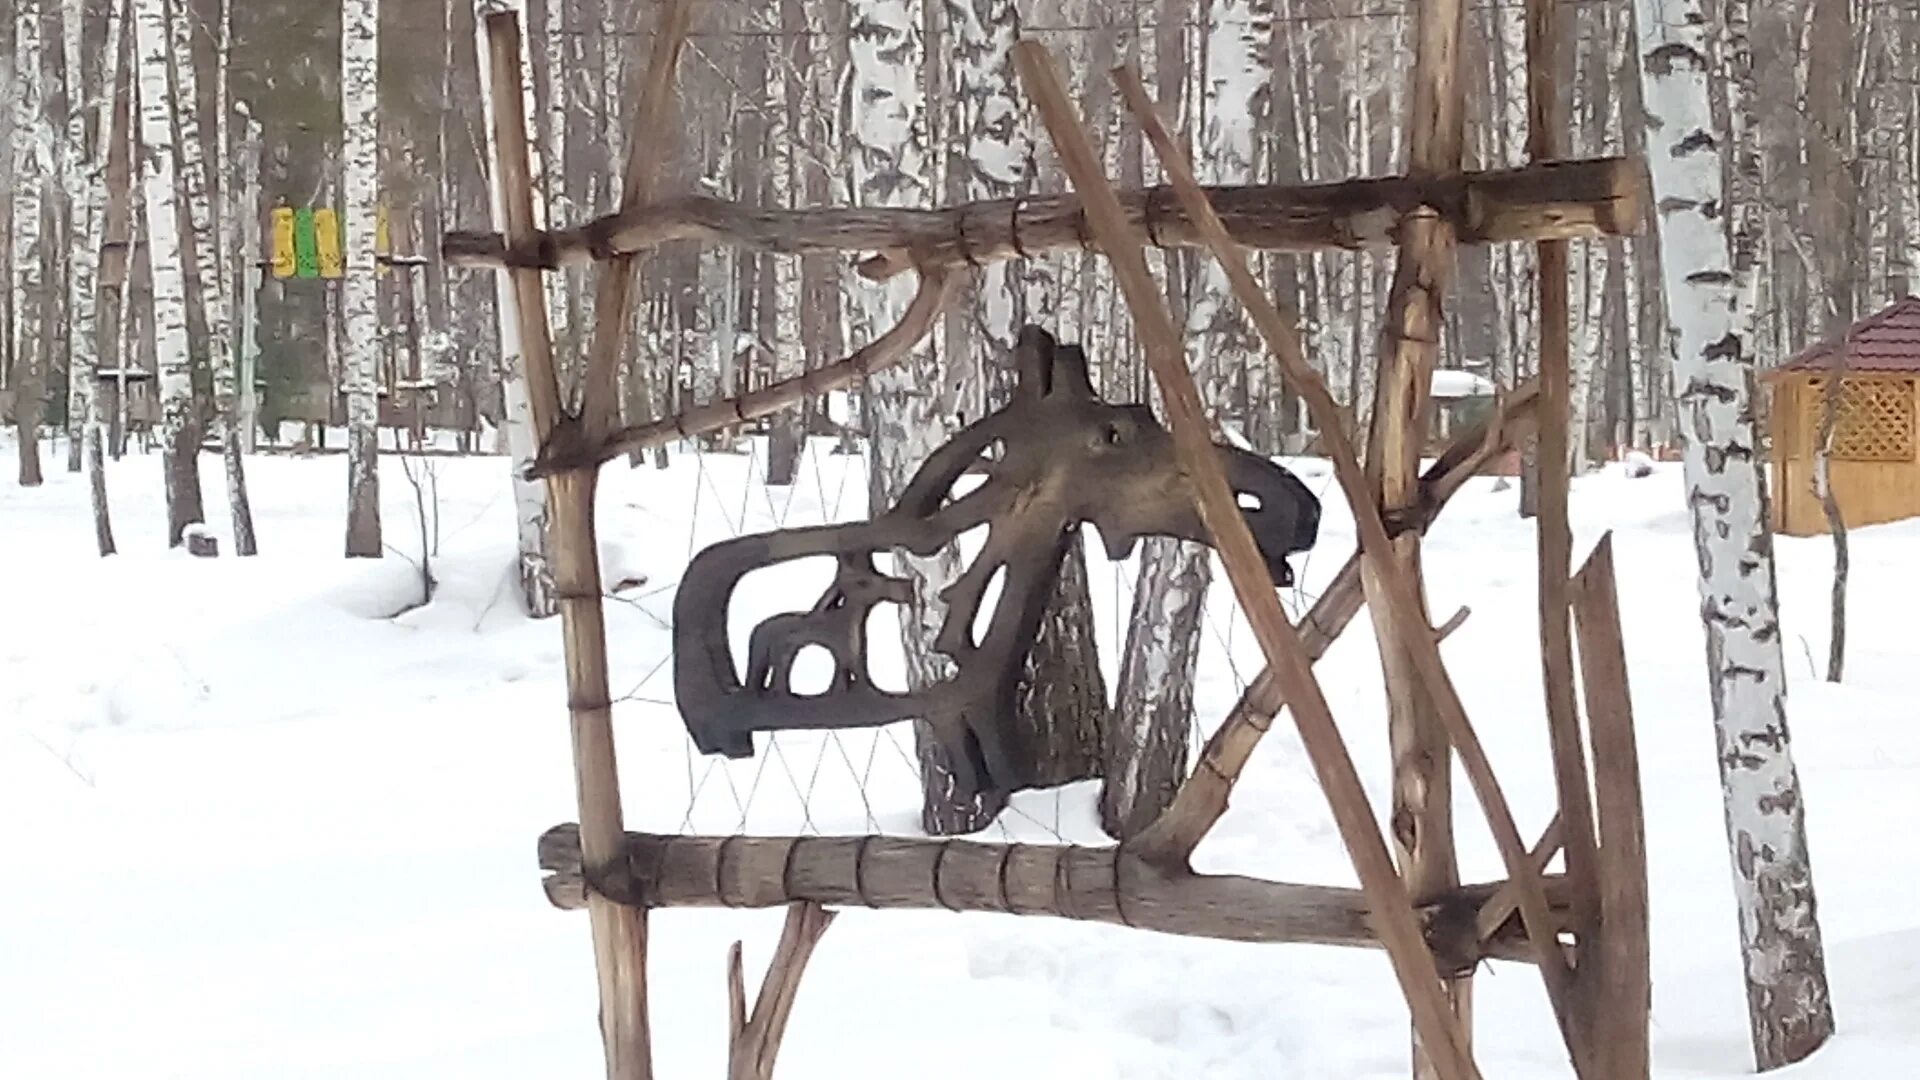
x=1390, y=907
x=1422, y=813
x=1616, y=986
x=1546, y=140
x=619, y=932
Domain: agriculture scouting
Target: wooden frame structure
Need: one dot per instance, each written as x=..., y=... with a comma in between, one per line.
x=1585, y=928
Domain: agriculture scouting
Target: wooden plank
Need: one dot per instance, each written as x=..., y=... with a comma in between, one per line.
x=619, y=932
x=1398, y=590
x=1569, y=199
x=1390, y=907
x=647, y=146
x=1616, y=964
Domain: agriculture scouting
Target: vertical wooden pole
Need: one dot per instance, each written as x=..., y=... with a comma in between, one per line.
x=1422, y=817
x=1615, y=980
x=1546, y=141
x=619, y=933
x=1391, y=909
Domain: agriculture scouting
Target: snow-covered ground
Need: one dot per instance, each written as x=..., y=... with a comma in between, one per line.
x=256, y=824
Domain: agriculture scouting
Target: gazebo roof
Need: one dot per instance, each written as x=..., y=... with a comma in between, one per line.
x=1888, y=341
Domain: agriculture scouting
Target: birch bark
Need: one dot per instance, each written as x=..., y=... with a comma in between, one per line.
x=1062, y=697
x=1153, y=713
x=891, y=168
x=30, y=302
x=179, y=428
x=1788, y=1004
x=90, y=321
x=529, y=496
x=359, y=288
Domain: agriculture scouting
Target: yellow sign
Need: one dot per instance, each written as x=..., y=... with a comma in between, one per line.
x=326, y=234
x=282, y=241
x=382, y=239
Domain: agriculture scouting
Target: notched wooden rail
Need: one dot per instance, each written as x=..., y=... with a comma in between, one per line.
x=1561, y=200
x=1087, y=884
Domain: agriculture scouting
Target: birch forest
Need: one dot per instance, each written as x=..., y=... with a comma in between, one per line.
x=221, y=227
x=1281, y=91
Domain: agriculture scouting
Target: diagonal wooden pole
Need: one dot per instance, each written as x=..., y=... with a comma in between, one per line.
x=1390, y=907
x=1397, y=605
x=619, y=932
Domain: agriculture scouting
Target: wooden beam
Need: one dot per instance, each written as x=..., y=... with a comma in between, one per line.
x=1498, y=910
x=1615, y=962
x=1088, y=884
x=1572, y=200
x=1390, y=907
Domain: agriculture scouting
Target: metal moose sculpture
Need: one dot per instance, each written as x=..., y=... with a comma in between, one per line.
x=1056, y=456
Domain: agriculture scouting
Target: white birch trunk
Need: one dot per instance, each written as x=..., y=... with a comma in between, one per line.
x=904, y=426
x=1154, y=706
x=784, y=337
x=248, y=212
x=89, y=220
x=31, y=304
x=359, y=289
x=1788, y=1003
x=180, y=438
x=529, y=496
x=75, y=169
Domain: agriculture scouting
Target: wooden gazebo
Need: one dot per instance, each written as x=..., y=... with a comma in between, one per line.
x=1875, y=462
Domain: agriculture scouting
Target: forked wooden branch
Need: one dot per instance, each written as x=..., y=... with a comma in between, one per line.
x=1571, y=199
x=1505, y=902
x=1390, y=907
x=646, y=149
x=755, y=1037
x=1398, y=588
x=571, y=449
x=1065, y=881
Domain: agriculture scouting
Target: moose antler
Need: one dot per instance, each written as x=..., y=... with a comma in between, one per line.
x=1054, y=458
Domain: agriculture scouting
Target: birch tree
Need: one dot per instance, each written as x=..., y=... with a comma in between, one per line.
x=891, y=168
x=359, y=288
x=1154, y=707
x=179, y=429
x=90, y=324
x=1787, y=999
x=30, y=300
x=1062, y=698
x=529, y=496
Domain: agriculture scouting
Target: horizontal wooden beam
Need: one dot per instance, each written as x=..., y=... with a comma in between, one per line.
x=1060, y=880
x=1556, y=201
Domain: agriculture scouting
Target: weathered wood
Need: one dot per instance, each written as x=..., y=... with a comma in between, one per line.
x=1398, y=590
x=1422, y=811
x=1391, y=910
x=1202, y=799
x=647, y=147
x=1089, y=884
x=755, y=1040
x=1615, y=960
x=1498, y=910
x=1546, y=140
x=619, y=931
x=569, y=448
x=1568, y=200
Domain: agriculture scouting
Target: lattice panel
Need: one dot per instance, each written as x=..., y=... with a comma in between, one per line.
x=1875, y=421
